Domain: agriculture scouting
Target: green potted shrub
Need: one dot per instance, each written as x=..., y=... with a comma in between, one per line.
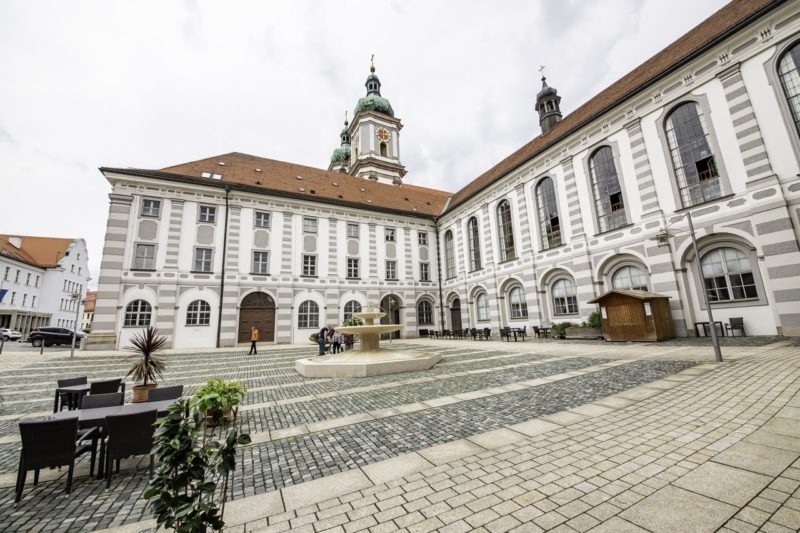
x=218, y=399
x=146, y=364
x=560, y=330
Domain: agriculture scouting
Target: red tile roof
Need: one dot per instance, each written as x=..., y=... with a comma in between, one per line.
x=42, y=252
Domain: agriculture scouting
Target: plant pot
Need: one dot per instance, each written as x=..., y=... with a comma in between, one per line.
x=227, y=414
x=140, y=392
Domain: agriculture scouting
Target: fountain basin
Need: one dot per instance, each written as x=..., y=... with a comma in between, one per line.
x=360, y=364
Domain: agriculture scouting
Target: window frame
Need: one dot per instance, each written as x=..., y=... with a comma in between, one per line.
x=427, y=276
x=356, y=234
x=594, y=187
x=199, y=315
x=474, y=244
x=545, y=240
x=305, y=316
x=567, y=306
x=699, y=281
x=210, y=260
x=309, y=266
x=137, y=314
x=422, y=238
x=449, y=255
x=505, y=232
x=771, y=67
x=263, y=214
x=624, y=265
x=347, y=313
x=136, y=256
x=428, y=314
x=522, y=311
x=149, y=214
x=479, y=309
x=350, y=268
x=210, y=216
x=310, y=225
x=393, y=264
x=254, y=263
x=390, y=234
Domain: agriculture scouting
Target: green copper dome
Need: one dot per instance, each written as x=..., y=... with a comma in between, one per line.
x=341, y=154
x=374, y=102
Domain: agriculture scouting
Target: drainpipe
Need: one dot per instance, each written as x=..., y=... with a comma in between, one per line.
x=224, y=253
x=439, y=272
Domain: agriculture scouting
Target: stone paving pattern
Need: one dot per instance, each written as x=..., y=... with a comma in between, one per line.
x=599, y=465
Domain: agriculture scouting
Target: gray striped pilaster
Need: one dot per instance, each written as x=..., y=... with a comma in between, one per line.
x=372, y=271
x=573, y=203
x=488, y=244
x=459, y=245
x=644, y=174
x=409, y=266
x=284, y=316
x=287, y=245
x=174, y=234
x=334, y=247
x=234, y=232
x=525, y=230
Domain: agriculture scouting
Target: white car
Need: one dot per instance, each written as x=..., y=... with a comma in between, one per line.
x=10, y=335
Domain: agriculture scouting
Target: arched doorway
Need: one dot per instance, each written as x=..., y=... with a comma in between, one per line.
x=391, y=306
x=455, y=314
x=257, y=310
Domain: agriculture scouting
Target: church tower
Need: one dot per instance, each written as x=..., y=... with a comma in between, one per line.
x=548, y=105
x=340, y=159
x=375, y=137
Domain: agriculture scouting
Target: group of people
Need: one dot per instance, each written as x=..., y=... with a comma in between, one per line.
x=337, y=342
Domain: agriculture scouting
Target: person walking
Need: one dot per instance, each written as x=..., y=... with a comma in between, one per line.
x=337, y=341
x=321, y=339
x=253, y=341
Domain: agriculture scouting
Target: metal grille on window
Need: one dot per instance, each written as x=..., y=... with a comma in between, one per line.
x=145, y=257
x=565, y=300
x=202, y=260
x=517, y=304
x=425, y=312
x=449, y=258
x=474, y=244
x=138, y=313
x=351, y=307
x=260, y=262
x=308, y=315
x=549, y=223
x=608, y=201
x=728, y=275
x=789, y=72
x=482, y=303
x=198, y=313
x=629, y=277
x=504, y=224
x=692, y=158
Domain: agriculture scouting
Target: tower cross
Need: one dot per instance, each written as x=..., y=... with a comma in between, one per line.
x=541, y=71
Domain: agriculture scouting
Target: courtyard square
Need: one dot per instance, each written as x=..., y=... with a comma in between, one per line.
x=534, y=436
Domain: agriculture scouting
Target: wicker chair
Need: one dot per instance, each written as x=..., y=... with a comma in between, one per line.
x=51, y=443
x=95, y=401
x=105, y=387
x=128, y=435
x=165, y=393
x=70, y=398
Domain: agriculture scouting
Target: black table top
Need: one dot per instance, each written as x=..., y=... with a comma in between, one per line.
x=97, y=417
x=74, y=388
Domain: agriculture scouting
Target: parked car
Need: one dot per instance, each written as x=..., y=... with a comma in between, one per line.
x=10, y=334
x=51, y=335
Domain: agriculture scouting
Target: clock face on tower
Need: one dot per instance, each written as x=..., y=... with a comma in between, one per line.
x=382, y=135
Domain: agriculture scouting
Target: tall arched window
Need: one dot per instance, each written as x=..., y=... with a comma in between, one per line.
x=608, y=202
x=424, y=312
x=629, y=277
x=198, y=313
x=482, y=305
x=692, y=158
x=351, y=307
x=449, y=256
x=728, y=275
x=516, y=303
x=789, y=72
x=384, y=150
x=138, y=313
x=565, y=299
x=308, y=315
x=474, y=244
x=506, y=229
x=549, y=223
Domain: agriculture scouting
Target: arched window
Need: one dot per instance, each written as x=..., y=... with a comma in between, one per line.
x=138, y=313
x=449, y=257
x=608, y=202
x=516, y=303
x=482, y=305
x=728, y=275
x=351, y=307
x=424, y=312
x=629, y=277
x=692, y=159
x=789, y=73
x=198, y=313
x=474, y=244
x=506, y=230
x=549, y=223
x=565, y=299
x=384, y=150
x=308, y=315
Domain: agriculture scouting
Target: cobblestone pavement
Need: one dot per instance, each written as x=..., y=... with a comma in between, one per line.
x=536, y=435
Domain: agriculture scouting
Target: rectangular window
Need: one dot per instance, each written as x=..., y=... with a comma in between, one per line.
x=260, y=262
x=391, y=269
x=150, y=208
x=16, y=277
x=28, y=279
x=309, y=225
x=424, y=272
x=262, y=219
x=13, y=297
x=5, y=276
x=24, y=300
x=37, y=281
x=309, y=265
x=422, y=238
x=33, y=301
x=389, y=234
x=352, y=231
x=145, y=258
x=207, y=213
x=352, y=268
x=202, y=259
x=79, y=270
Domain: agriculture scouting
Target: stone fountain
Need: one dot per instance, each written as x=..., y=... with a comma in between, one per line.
x=368, y=359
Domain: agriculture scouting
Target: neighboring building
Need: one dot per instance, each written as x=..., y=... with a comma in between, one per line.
x=38, y=276
x=88, y=310
x=710, y=125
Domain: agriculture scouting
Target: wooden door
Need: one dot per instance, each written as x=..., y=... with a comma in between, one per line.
x=257, y=310
x=455, y=315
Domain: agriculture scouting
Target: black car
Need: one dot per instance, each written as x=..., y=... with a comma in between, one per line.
x=51, y=335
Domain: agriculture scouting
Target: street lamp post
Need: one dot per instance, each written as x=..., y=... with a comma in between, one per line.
x=663, y=240
x=76, y=297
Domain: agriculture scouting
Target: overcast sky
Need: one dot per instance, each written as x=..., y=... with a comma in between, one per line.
x=152, y=84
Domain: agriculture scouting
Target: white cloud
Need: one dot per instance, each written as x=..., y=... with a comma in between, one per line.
x=150, y=84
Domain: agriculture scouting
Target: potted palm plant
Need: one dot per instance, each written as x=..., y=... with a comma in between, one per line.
x=218, y=399
x=146, y=364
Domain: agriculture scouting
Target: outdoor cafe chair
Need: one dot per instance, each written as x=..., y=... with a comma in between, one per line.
x=70, y=398
x=487, y=333
x=128, y=435
x=51, y=443
x=95, y=401
x=165, y=393
x=105, y=387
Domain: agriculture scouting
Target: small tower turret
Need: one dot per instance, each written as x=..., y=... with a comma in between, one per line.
x=548, y=105
x=340, y=159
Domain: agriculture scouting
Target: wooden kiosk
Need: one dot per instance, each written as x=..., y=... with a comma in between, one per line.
x=629, y=315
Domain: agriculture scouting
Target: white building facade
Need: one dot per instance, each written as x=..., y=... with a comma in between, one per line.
x=710, y=130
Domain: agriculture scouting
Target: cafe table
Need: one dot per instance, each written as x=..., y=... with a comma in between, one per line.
x=76, y=391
